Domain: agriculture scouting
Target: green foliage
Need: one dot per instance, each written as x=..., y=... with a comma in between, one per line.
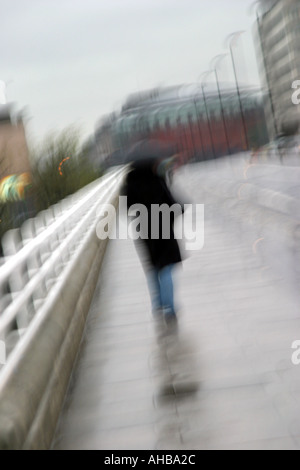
x=59, y=168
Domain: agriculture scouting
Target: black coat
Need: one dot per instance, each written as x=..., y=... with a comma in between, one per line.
x=144, y=186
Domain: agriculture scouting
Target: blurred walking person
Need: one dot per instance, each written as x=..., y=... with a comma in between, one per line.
x=145, y=186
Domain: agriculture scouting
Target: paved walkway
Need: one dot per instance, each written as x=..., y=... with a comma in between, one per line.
x=237, y=321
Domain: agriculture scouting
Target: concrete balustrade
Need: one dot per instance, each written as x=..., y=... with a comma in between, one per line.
x=47, y=283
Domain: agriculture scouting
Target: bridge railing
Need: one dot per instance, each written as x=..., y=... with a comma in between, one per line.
x=47, y=280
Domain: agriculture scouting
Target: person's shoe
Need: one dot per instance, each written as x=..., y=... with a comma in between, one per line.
x=170, y=318
x=171, y=322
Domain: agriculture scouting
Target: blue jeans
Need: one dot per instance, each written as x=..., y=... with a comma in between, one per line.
x=161, y=288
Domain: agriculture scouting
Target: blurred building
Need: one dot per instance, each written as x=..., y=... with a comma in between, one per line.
x=200, y=124
x=14, y=155
x=99, y=147
x=16, y=199
x=277, y=38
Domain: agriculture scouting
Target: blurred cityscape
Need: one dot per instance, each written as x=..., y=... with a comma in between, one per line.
x=207, y=119
x=236, y=150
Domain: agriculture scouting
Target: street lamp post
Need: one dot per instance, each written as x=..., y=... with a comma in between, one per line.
x=199, y=129
x=232, y=37
x=266, y=71
x=215, y=62
x=205, y=74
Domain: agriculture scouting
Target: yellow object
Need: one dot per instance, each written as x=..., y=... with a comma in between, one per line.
x=12, y=187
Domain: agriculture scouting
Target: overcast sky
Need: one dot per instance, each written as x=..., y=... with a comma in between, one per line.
x=72, y=61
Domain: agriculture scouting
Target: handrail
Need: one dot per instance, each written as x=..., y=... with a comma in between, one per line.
x=71, y=209
x=13, y=263
x=47, y=280
x=82, y=207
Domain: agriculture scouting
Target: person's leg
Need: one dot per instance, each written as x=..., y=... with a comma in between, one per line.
x=167, y=290
x=152, y=276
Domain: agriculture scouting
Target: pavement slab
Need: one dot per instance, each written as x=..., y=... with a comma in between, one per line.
x=224, y=380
